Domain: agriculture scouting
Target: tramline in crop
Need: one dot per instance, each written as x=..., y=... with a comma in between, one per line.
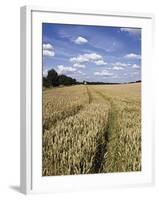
x=91, y=129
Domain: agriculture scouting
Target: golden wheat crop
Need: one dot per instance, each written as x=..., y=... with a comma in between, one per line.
x=124, y=133
x=62, y=102
x=91, y=129
x=70, y=147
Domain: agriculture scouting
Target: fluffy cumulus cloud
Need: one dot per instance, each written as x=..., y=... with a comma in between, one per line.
x=48, y=53
x=62, y=69
x=131, y=31
x=132, y=56
x=103, y=73
x=118, y=68
x=121, y=64
x=93, y=56
x=48, y=50
x=79, y=59
x=88, y=57
x=100, y=62
x=47, y=46
x=135, y=66
x=80, y=40
x=78, y=65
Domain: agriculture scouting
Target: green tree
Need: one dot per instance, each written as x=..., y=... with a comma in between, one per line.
x=46, y=82
x=65, y=80
x=52, y=77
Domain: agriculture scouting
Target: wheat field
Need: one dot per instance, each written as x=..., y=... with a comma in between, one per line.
x=91, y=129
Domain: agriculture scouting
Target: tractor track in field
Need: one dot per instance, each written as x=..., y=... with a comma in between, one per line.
x=95, y=97
x=69, y=114
x=101, y=146
x=89, y=95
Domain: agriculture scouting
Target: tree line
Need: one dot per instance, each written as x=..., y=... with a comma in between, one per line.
x=110, y=83
x=53, y=79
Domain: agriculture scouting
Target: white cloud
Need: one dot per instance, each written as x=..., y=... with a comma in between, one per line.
x=78, y=65
x=118, y=68
x=103, y=73
x=135, y=66
x=47, y=46
x=121, y=64
x=80, y=40
x=48, y=50
x=131, y=31
x=45, y=72
x=48, y=53
x=62, y=69
x=132, y=56
x=100, y=62
x=88, y=57
x=79, y=59
x=93, y=56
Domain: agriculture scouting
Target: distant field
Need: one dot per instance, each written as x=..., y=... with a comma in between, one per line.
x=91, y=129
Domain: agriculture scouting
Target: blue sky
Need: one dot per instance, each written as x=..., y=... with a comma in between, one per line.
x=92, y=53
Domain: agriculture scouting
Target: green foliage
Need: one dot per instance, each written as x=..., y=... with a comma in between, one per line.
x=46, y=82
x=53, y=79
x=65, y=80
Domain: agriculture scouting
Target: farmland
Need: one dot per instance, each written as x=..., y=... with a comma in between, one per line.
x=91, y=129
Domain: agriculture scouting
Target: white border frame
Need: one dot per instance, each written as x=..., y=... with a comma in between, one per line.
x=31, y=182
